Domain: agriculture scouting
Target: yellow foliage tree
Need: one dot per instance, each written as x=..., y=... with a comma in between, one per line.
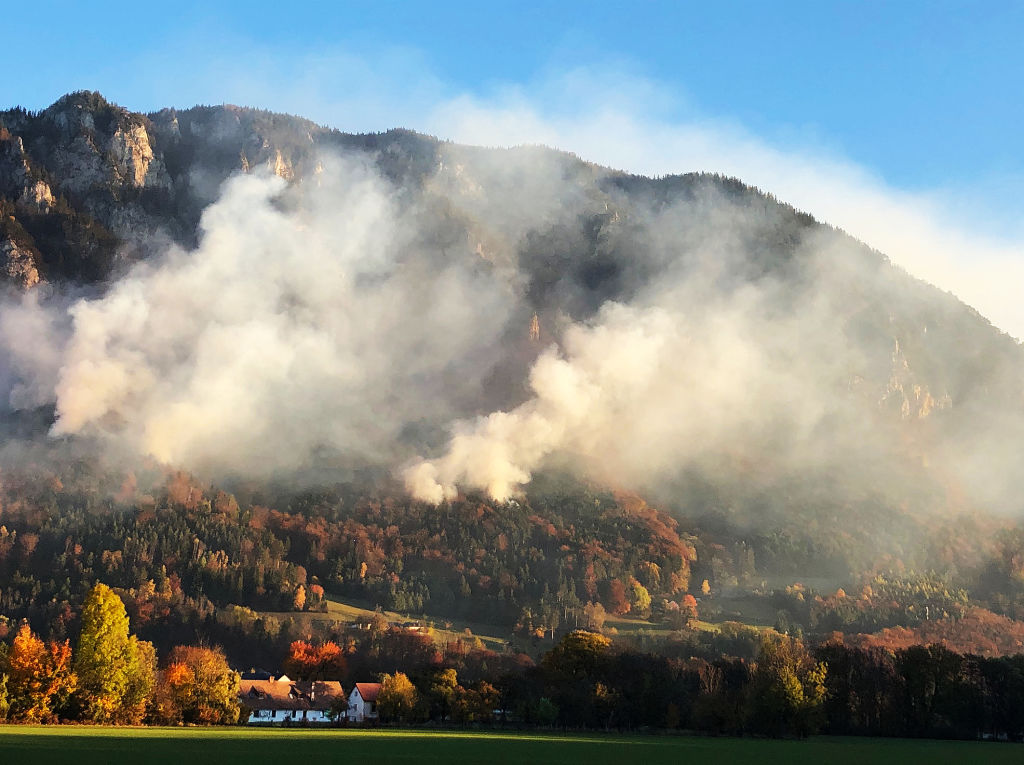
x=397, y=698
x=786, y=695
x=115, y=671
x=640, y=598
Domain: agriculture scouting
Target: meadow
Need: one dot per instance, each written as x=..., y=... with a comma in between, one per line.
x=346, y=612
x=94, y=745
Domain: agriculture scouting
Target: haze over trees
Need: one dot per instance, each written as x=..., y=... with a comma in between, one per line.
x=253, y=367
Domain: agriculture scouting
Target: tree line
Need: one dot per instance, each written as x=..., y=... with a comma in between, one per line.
x=788, y=688
x=785, y=688
x=112, y=677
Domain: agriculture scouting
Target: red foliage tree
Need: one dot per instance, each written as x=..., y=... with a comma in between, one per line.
x=618, y=602
x=308, y=661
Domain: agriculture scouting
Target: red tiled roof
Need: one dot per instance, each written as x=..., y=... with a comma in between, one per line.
x=289, y=694
x=368, y=691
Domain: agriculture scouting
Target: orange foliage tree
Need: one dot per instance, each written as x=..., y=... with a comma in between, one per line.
x=39, y=677
x=688, y=606
x=308, y=661
x=197, y=686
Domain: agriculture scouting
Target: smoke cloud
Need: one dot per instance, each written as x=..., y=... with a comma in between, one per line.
x=625, y=121
x=620, y=399
x=308, y=319
x=689, y=374
x=513, y=311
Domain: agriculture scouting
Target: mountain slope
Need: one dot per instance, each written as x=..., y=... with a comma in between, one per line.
x=797, y=379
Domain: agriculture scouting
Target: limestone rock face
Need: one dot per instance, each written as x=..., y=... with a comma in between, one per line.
x=132, y=156
x=281, y=167
x=93, y=186
x=115, y=155
x=37, y=196
x=77, y=165
x=18, y=182
x=14, y=167
x=17, y=265
x=906, y=393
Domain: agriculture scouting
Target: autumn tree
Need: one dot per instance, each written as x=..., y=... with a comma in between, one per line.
x=5, y=699
x=787, y=691
x=397, y=698
x=617, y=601
x=574, y=671
x=141, y=676
x=639, y=598
x=578, y=654
x=682, y=614
x=476, y=704
x=442, y=692
x=315, y=597
x=39, y=677
x=197, y=686
x=594, y=616
x=378, y=625
x=309, y=661
x=688, y=608
x=115, y=670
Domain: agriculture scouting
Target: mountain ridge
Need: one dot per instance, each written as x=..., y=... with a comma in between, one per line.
x=89, y=189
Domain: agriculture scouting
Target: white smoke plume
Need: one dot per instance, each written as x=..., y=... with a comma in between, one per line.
x=32, y=334
x=641, y=392
x=344, y=322
x=610, y=375
x=295, y=327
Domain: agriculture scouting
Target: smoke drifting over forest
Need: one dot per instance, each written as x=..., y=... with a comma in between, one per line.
x=296, y=325
x=348, y=321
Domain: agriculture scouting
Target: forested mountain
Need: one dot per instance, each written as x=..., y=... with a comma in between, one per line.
x=441, y=378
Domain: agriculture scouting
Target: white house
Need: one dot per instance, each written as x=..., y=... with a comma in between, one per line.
x=283, y=701
x=362, y=702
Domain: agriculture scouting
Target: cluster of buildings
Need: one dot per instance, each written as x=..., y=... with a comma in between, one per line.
x=283, y=701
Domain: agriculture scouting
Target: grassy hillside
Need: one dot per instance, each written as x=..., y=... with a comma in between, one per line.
x=350, y=612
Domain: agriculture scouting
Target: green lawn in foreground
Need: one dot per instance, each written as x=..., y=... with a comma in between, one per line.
x=87, y=745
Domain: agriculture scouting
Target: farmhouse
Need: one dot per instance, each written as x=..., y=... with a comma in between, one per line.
x=281, y=700
x=362, y=702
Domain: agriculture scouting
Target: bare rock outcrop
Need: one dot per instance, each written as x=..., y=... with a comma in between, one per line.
x=17, y=265
x=18, y=179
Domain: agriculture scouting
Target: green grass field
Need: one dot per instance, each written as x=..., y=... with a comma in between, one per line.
x=86, y=746
x=498, y=638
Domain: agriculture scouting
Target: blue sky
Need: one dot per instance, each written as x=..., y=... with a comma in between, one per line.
x=921, y=92
x=847, y=109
